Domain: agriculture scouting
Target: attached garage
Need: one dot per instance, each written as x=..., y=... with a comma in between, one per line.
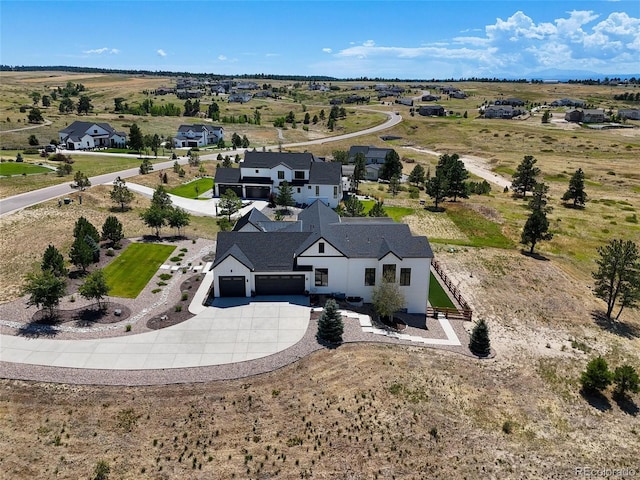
x=258, y=192
x=237, y=189
x=280, y=285
x=232, y=286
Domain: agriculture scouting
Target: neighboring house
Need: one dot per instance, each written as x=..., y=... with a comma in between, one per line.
x=595, y=115
x=183, y=94
x=514, y=102
x=247, y=86
x=198, y=135
x=430, y=98
x=372, y=172
x=86, y=135
x=431, y=111
x=502, y=111
x=261, y=173
x=408, y=101
x=322, y=253
x=630, y=113
x=459, y=95
x=239, y=97
x=568, y=102
x=164, y=90
x=372, y=155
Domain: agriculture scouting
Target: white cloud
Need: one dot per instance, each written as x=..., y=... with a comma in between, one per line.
x=327, y=50
x=515, y=46
x=222, y=58
x=100, y=51
x=161, y=52
x=272, y=55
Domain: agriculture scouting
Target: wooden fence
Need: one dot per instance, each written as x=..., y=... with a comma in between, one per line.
x=464, y=312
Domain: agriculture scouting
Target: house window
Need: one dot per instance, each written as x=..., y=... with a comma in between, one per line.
x=389, y=272
x=298, y=189
x=369, y=277
x=317, y=190
x=256, y=171
x=280, y=175
x=335, y=192
x=321, y=247
x=322, y=277
x=298, y=175
x=405, y=277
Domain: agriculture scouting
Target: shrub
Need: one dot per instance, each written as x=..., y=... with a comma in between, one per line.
x=184, y=296
x=175, y=259
x=597, y=375
x=156, y=290
x=127, y=328
x=164, y=276
x=178, y=308
x=507, y=427
x=479, y=343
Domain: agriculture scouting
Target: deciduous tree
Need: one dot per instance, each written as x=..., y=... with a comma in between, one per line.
x=45, y=290
x=95, y=287
x=387, y=298
x=229, y=203
x=161, y=198
x=178, y=218
x=154, y=217
x=81, y=181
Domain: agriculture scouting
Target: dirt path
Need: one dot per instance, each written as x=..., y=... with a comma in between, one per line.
x=30, y=127
x=476, y=165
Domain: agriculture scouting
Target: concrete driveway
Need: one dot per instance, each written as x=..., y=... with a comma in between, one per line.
x=215, y=336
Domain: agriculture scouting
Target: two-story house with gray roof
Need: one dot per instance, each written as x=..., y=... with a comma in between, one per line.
x=261, y=174
x=198, y=135
x=322, y=253
x=87, y=135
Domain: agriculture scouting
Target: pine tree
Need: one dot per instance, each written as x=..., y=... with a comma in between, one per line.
x=285, y=195
x=330, y=325
x=626, y=380
x=525, y=177
x=53, y=261
x=479, y=344
x=576, y=191
x=112, y=230
x=378, y=210
x=597, y=375
x=121, y=194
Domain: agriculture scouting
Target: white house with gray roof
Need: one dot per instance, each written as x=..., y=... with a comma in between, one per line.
x=261, y=174
x=198, y=135
x=87, y=135
x=321, y=253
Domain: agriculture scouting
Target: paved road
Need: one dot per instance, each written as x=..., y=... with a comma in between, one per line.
x=18, y=202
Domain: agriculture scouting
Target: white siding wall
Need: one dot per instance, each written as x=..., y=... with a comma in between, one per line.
x=251, y=172
x=325, y=193
x=230, y=266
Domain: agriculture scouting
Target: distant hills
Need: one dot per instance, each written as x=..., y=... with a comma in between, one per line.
x=543, y=75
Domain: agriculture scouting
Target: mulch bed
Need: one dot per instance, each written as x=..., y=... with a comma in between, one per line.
x=85, y=316
x=171, y=316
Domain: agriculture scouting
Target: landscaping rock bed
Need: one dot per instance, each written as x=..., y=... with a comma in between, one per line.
x=180, y=312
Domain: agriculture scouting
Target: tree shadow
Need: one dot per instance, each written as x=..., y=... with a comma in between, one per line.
x=326, y=344
x=42, y=325
x=626, y=404
x=76, y=274
x=434, y=209
x=572, y=206
x=596, y=399
x=622, y=329
x=118, y=209
x=534, y=255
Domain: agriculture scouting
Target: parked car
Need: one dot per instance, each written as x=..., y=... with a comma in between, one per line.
x=50, y=148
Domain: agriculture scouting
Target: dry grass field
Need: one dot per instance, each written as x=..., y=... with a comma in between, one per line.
x=371, y=411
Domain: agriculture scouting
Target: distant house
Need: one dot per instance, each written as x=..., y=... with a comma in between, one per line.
x=630, y=113
x=239, y=97
x=353, y=98
x=459, y=95
x=184, y=94
x=322, y=253
x=247, y=86
x=373, y=155
x=408, y=101
x=568, y=102
x=432, y=111
x=514, y=102
x=261, y=174
x=502, y=111
x=585, y=116
x=88, y=135
x=164, y=90
x=198, y=135
x=430, y=98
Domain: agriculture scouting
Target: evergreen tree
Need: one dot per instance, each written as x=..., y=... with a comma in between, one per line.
x=479, y=343
x=618, y=275
x=81, y=181
x=53, y=261
x=436, y=187
x=392, y=166
x=330, y=325
x=359, y=170
x=353, y=207
x=546, y=116
x=394, y=185
x=136, y=141
x=451, y=168
x=121, y=194
x=112, y=230
x=84, y=228
x=597, y=375
x=535, y=229
x=417, y=175
x=161, y=198
x=285, y=195
x=229, y=203
x=626, y=380
x=525, y=177
x=81, y=254
x=378, y=210
x=576, y=191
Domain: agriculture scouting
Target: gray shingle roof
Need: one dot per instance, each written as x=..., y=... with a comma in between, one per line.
x=322, y=173
x=227, y=175
x=295, y=161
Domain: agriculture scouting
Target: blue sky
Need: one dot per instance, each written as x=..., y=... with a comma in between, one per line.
x=390, y=39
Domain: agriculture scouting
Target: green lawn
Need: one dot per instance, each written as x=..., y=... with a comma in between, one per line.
x=481, y=231
x=397, y=213
x=18, y=168
x=193, y=189
x=437, y=295
x=128, y=274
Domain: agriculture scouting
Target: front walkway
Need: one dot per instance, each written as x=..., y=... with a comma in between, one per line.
x=215, y=336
